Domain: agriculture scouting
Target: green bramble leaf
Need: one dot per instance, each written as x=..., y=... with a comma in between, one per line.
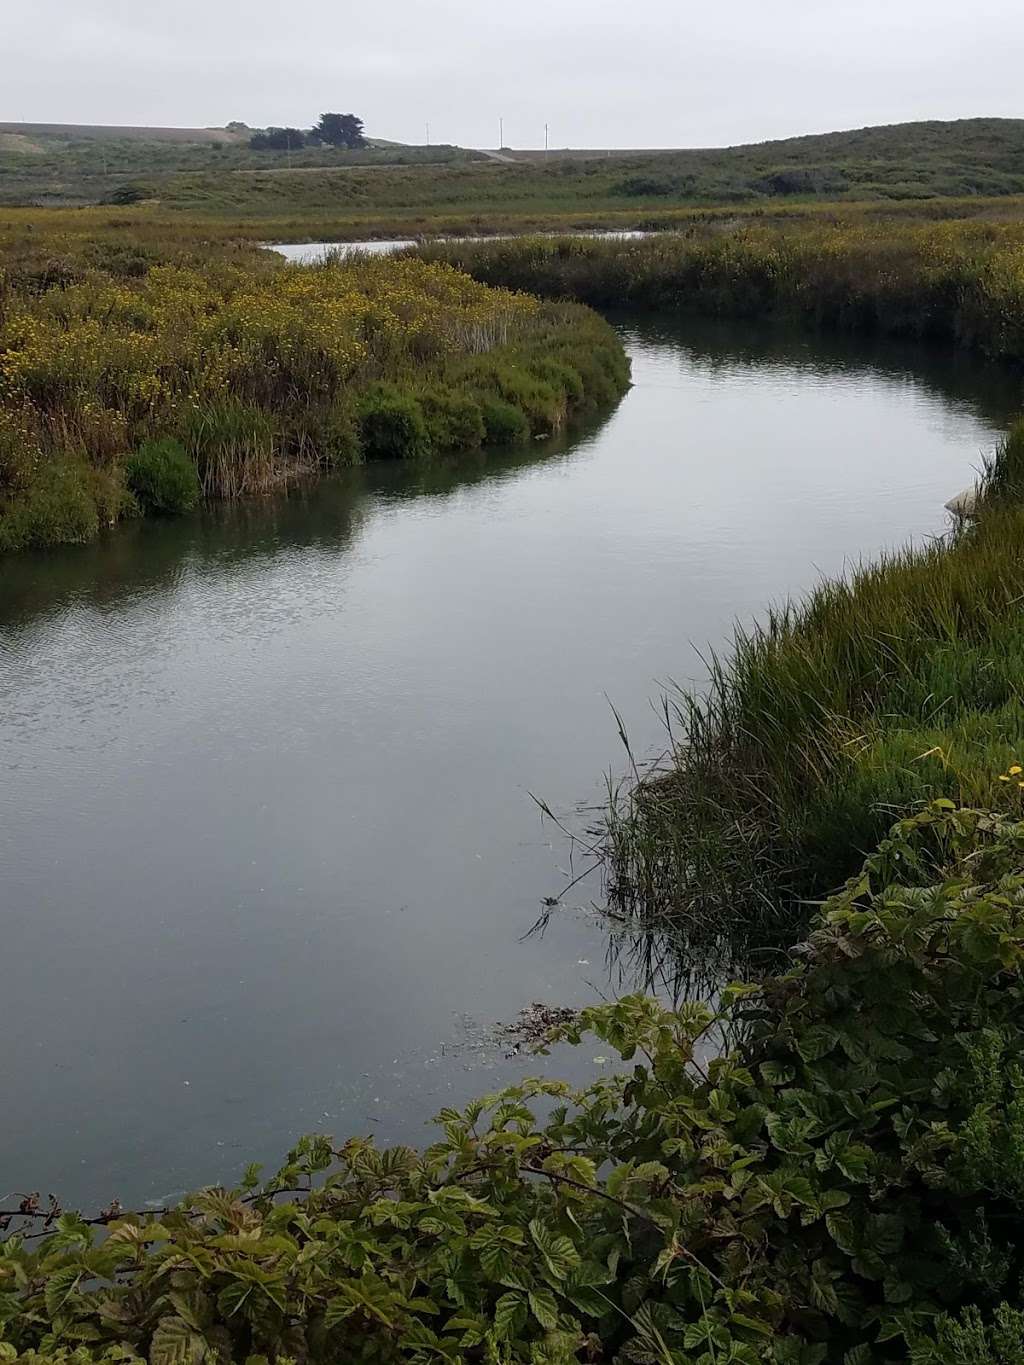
x=176, y=1343
x=60, y=1286
x=560, y=1256
x=544, y=1307
x=509, y=1316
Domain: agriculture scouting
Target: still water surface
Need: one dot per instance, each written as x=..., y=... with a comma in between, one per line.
x=308, y=253
x=267, y=846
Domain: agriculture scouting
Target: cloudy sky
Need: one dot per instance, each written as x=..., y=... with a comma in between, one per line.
x=634, y=73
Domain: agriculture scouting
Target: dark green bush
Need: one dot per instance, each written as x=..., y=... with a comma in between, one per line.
x=341, y=445
x=646, y=186
x=163, y=478
x=391, y=425
x=125, y=194
x=561, y=376
x=453, y=419
x=544, y=405
x=503, y=423
x=57, y=508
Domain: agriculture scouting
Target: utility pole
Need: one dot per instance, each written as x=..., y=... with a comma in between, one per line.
x=501, y=133
x=545, y=142
x=428, y=134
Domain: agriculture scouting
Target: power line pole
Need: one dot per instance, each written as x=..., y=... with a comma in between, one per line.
x=545, y=142
x=501, y=133
x=428, y=134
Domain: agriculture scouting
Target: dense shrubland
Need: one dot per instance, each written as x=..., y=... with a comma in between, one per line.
x=128, y=384
x=836, y=1178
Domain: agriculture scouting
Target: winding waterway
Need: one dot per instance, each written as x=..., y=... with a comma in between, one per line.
x=267, y=844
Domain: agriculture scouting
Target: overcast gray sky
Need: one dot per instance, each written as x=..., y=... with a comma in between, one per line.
x=636, y=73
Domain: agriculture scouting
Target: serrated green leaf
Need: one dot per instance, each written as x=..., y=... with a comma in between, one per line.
x=776, y=1074
x=842, y=1232
x=544, y=1307
x=175, y=1343
x=509, y=1316
x=59, y=1288
x=496, y=1261
x=560, y=1256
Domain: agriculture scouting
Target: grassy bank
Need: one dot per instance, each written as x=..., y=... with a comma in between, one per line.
x=891, y=688
x=960, y=281
x=841, y=1183
x=896, y=686
x=138, y=379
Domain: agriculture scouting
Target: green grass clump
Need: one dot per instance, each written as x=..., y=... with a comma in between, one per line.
x=880, y=692
x=163, y=478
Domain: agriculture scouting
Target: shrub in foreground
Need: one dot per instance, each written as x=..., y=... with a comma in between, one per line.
x=163, y=478
x=827, y=1170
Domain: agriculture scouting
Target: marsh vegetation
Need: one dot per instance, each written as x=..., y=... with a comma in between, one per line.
x=129, y=386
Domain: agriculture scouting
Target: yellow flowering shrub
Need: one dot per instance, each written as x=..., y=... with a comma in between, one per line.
x=138, y=347
x=258, y=369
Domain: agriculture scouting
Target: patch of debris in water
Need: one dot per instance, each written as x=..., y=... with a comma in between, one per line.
x=535, y=1024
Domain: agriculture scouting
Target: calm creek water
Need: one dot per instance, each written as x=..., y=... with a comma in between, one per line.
x=267, y=846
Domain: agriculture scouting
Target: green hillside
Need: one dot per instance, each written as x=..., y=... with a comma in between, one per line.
x=64, y=165
x=47, y=164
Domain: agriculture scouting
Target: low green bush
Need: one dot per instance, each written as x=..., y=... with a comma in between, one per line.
x=163, y=478
x=827, y=1169
x=503, y=423
x=391, y=424
x=340, y=444
x=58, y=507
x=453, y=419
x=561, y=376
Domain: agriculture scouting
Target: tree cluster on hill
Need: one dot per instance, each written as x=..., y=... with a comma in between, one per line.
x=333, y=130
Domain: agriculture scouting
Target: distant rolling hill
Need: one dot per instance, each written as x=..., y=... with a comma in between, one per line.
x=186, y=168
x=97, y=132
